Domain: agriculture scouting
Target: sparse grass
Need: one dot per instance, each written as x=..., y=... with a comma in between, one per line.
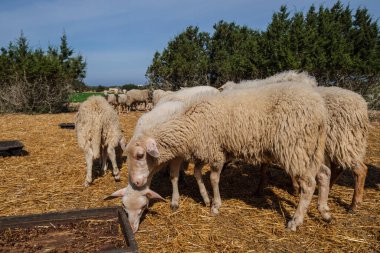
x=82, y=96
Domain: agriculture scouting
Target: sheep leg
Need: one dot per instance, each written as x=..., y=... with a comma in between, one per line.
x=174, y=174
x=104, y=160
x=263, y=180
x=336, y=171
x=115, y=169
x=323, y=178
x=202, y=189
x=360, y=173
x=89, y=163
x=214, y=178
x=307, y=183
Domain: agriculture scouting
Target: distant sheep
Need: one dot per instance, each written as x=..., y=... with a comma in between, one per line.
x=98, y=133
x=112, y=100
x=123, y=101
x=137, y=96
x=284, y=123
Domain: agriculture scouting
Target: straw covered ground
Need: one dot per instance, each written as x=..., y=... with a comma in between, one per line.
x=51, y=177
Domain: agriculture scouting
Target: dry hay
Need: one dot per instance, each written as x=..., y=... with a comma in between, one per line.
x=51, y=178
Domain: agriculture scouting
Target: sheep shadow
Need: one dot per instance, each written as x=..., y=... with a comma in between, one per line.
x=235, y=183
x=98, y=172
x=372, y=179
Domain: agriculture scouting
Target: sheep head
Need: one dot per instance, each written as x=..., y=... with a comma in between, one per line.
x=134, y=203
x=141, y=152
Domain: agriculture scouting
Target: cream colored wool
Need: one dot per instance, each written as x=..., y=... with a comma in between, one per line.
x=283, y=122
x=184, y=93
x=158, y=94
x=347, y=126
x=286, y=76
x=98, y=133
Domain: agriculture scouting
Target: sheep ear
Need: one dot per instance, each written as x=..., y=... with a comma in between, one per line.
x=118, y=193
x=154, y=195
x=151, y=148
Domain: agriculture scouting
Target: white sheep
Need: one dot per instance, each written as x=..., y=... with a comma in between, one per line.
x=165, y=111
x=347, y=129
x=284, y=123
x=122, y=101
x=112, y=100
x=134, y=202
x=98, y=133
x=135, y=96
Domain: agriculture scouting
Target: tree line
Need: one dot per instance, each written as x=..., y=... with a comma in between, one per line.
x=32, y=80
x=337, y=45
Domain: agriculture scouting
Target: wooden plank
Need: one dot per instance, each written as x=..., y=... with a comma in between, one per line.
x=27, y=221
x=10, y=145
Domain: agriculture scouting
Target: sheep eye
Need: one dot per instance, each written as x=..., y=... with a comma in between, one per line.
x=139, y=156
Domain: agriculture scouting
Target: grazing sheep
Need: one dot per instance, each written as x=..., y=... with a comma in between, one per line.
x=98, y=132
x=286, y=76
x=347, y=130
x=283, y=123
x=137, y=96
x=122, y=102
x=165, y=111
x=158, y=94
x=134, y=202
x=112, y=100
x=346, y=142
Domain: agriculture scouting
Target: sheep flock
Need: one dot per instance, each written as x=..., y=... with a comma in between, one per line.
x=313, y=133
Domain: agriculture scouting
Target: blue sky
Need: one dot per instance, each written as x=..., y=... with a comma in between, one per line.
x=119, y=37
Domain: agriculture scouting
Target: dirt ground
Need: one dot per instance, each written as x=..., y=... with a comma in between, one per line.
x=51, y=176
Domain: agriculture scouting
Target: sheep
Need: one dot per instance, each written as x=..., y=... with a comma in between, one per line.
x=165, y=111
x=122, y=102
x=284, y=123
x=183, y=93
x=347, y=130
x=286, y=76
x=112, y=100
x=134, y=202
x=137, y=96
x=98, y=133
x=158, y=94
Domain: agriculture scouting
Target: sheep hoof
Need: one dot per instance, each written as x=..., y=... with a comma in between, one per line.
x=117, y=178
x=292, y=226
x=207, y=203
x=214, y=211
x=327, y=217
x=87, y=184
x=174, y=207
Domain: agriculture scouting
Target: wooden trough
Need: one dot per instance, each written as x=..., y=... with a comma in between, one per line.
x=12, y=147
x=67, y=125
x=92, y=230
